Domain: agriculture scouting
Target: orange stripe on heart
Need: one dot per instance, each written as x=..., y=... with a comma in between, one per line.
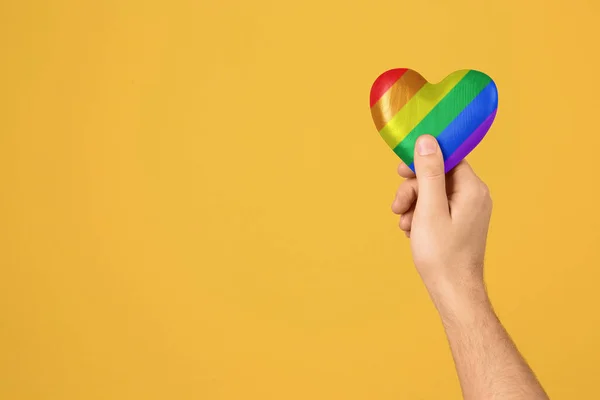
x=396, y=97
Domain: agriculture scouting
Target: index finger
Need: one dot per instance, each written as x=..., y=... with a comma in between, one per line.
x=405, y=172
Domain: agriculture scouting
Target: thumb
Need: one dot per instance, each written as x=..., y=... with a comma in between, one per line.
x=431, y=177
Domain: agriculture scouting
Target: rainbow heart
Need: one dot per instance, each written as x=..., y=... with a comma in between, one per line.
x=458, y=111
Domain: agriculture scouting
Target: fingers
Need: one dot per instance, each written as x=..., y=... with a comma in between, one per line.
x=405, y=172
x=431, y=177
x=405, y=197
x=406, y=220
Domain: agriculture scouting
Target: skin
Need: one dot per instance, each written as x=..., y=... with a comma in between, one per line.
x=446, y=217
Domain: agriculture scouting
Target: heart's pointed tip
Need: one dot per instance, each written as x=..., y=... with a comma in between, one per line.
x=384, y=82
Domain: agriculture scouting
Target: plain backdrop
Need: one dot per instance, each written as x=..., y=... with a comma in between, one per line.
x=195, y=204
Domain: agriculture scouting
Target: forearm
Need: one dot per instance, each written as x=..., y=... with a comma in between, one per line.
x=488, y=363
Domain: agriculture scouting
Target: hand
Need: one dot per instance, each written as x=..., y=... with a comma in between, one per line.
x=446, y=217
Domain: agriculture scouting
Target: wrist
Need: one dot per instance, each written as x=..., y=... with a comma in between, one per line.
x=459, y=301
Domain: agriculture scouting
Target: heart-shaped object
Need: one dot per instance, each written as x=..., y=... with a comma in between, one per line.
x=458, y=111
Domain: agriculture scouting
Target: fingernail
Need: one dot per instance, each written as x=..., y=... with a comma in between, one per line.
x=426, y=145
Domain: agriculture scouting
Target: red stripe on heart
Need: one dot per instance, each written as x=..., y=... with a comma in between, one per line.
x=384, y=82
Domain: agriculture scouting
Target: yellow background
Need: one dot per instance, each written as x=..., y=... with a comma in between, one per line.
x=195, y=203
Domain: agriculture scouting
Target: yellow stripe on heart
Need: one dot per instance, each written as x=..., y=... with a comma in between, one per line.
x=417, y=108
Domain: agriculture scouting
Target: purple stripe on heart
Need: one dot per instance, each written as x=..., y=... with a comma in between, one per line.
x=473, y=140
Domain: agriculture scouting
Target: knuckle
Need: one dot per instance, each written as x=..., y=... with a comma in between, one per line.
x=485, y=190
x=479, y=193
x=480, y=197
x=486, y=195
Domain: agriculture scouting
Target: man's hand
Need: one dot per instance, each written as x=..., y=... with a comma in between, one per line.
x=446, y=217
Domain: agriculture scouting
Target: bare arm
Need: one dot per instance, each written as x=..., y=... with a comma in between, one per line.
x=446, y=217
x=488, y=363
